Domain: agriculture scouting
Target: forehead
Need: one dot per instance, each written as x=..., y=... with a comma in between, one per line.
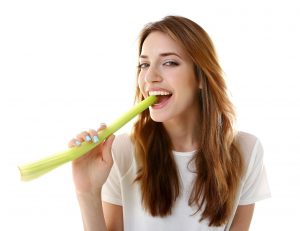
x=158, y=42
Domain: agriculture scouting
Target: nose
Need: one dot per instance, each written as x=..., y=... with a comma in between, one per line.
x=152, y=75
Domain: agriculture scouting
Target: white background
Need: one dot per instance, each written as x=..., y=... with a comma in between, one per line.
x=66, y=66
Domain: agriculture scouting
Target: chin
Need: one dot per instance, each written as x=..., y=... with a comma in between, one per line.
x=159, y=117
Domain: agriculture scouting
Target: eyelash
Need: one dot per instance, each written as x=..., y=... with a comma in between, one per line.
x=171, y=63
x=168, y=63
x=142, y=65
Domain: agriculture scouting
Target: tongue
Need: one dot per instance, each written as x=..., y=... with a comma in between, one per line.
x=162, y=98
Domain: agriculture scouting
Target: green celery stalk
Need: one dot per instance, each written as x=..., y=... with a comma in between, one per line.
x=38, y=168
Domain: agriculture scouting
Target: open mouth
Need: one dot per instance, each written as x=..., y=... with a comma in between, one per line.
x=162, y=98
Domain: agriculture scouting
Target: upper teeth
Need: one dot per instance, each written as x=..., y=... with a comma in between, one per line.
x=159, y=93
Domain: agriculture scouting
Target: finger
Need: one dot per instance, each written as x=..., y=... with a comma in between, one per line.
x=94, y=135
x=74, y=143
x=84, y=136
x=107, y=146
x=101, y=127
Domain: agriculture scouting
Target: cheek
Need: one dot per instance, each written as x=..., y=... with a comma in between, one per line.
x=141, y=83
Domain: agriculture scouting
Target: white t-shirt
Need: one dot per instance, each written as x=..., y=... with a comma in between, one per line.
x=119, y=188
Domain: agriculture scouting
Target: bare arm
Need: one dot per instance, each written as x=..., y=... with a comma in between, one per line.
x=113, y=215
x=92, y=212
x=242, y=218
x=90, y=172
x=98, y=215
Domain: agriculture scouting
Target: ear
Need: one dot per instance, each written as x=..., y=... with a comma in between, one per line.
x=199, y=75
x=200, y=84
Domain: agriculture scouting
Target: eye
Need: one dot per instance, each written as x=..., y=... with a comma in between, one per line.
x=170, y=63
x=143, y=65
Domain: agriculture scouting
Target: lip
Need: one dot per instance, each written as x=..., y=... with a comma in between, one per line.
x=161, y=104
x=156, y=89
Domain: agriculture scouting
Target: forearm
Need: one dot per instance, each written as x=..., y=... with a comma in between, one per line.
x=91, y=211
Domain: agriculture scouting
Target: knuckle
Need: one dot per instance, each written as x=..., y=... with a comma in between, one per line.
x=92, y=132
x=71, y=143
x=82, y=134
x=101, y=128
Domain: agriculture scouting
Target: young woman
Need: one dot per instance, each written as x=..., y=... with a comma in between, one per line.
x=184, y=167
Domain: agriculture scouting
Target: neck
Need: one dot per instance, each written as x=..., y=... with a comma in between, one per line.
x=184, y=132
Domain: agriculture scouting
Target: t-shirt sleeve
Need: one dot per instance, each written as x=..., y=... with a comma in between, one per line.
x=122, y=153
x=111, y=190
x=255, y=186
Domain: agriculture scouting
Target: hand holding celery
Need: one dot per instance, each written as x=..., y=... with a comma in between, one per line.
x=33, y=170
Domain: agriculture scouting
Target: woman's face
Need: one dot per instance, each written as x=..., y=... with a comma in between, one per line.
x=167, y=71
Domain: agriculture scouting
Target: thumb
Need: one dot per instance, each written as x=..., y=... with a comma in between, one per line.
x=106, y=151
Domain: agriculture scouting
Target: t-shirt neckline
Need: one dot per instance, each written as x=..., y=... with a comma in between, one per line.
x=190, y=153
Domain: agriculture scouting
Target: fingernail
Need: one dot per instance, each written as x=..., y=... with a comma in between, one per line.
x=88, y=138
x=95, y=139
x=78, y=143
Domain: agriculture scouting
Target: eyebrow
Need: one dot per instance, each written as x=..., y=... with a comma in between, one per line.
x=162, y=55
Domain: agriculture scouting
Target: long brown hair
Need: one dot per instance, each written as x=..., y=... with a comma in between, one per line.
x=218, y=162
